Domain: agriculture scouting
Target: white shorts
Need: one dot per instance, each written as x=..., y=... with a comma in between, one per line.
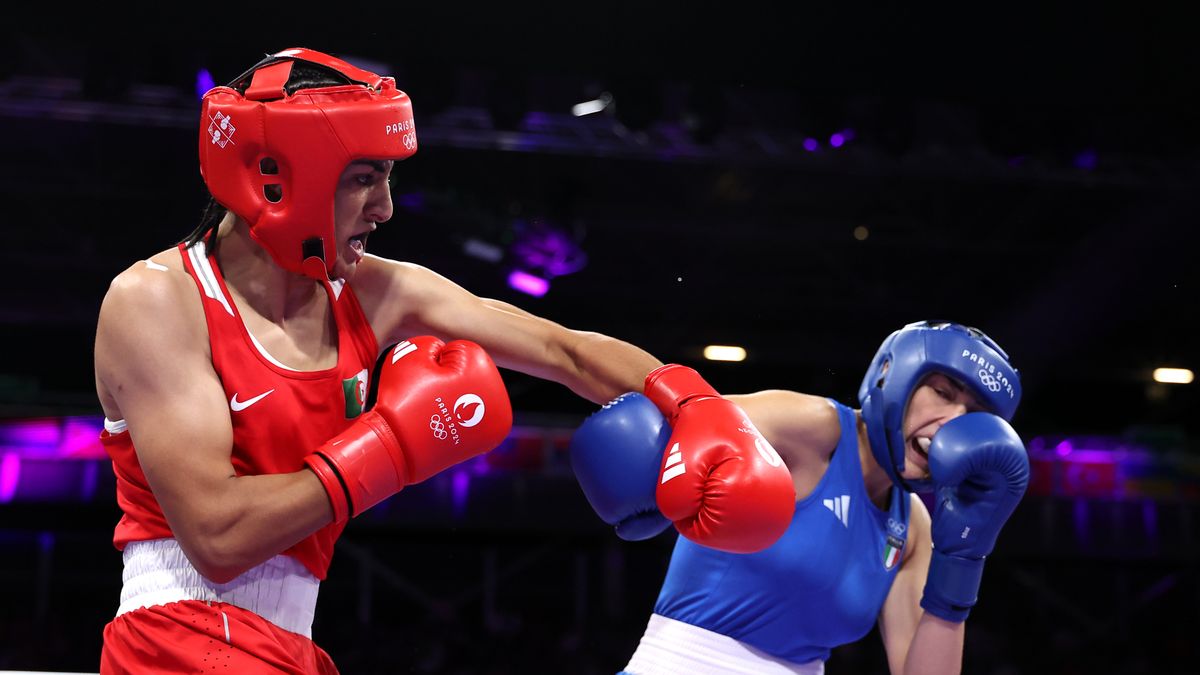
x=671, y=647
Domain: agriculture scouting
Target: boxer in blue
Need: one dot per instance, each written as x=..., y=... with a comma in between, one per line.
x=860, y=546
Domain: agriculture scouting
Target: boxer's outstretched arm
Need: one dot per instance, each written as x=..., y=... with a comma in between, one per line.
x=403, y=299
x=153, y=364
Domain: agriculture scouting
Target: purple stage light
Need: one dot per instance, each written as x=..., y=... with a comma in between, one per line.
x=1087, y=160
x=204, y=82
x=10, y=474
x=541, y=252
x=480, y=466
x=41, y=434
x=527, y=283
x=548, y=250
x=811, y=144
x=1108, y=467
x=460, y=490
x=52, y=459
x=91, y=477
x=64, y=437
x=837, y=140
x=81, y=438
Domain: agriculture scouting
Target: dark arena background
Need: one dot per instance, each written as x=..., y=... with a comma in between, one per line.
x=795, y=181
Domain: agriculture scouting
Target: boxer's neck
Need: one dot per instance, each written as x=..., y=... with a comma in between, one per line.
x=259, y=282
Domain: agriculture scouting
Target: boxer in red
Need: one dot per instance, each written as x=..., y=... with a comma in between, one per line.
x=234, y=371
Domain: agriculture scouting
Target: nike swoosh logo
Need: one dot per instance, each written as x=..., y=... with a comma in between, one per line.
x=236, y=405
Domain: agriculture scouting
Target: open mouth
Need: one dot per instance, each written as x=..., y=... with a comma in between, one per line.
x=358, y=243
x=920, y=445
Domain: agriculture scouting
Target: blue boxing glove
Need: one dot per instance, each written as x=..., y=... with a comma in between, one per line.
x=616, y=454
x=979, y=469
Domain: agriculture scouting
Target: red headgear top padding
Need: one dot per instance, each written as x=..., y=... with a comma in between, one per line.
x=274, y=158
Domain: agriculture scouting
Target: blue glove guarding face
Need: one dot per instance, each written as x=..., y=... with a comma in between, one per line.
x=616, y=455
x=980, y=470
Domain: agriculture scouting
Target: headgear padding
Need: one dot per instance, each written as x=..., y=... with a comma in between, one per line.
x=908, y=355
x=274, y=158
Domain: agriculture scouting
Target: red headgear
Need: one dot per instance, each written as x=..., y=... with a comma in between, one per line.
x=274, y=158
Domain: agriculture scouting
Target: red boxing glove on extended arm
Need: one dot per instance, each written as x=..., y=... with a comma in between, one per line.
x=722, y=483
x=435, y=405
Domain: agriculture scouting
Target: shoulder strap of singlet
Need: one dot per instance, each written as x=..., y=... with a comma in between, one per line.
x=352, y=318
x=197, y=263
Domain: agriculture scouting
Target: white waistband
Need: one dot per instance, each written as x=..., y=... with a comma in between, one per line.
x=280, y=590
x=671, y=647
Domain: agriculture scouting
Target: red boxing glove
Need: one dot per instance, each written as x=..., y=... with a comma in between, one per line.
x=436, y=405
x=722, y=483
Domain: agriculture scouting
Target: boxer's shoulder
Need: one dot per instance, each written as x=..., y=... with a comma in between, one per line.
x=156, y=291
x=161, y=278
x=816, y=431
x=804, y=428
x=377, y=276
x=151, y=318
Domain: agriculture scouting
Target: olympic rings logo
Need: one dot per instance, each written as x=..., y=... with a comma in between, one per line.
x=439, y=429
x=409, y=140
x=988, y=380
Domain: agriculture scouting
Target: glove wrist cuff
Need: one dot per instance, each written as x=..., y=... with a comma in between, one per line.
x=952, y=586
x=335, y=486
x=669, y=386
x=368, y=460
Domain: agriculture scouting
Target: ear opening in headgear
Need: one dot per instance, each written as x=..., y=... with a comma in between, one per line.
x=272, y=192
x=313, y=248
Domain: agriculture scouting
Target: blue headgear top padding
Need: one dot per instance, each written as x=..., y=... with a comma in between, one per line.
x=908, y=355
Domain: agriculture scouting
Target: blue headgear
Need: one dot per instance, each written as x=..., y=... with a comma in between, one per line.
x=907, y=356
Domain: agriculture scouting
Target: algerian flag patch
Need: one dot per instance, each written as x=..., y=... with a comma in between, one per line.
x=355, y=389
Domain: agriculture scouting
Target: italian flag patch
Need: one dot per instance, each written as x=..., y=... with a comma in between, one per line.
x=891, y=552
x=355, y=389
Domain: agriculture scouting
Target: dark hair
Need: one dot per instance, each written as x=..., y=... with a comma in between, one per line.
x=206, y=231
x=304, y=75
